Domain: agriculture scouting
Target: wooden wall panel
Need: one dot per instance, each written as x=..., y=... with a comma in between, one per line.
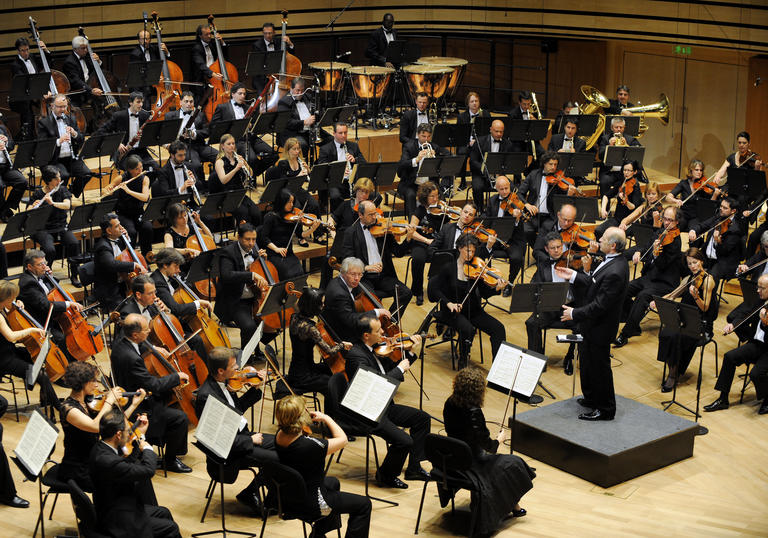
x=757, y=105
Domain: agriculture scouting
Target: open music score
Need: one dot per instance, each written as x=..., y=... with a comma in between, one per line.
x=218, y=427
x=369, y=394
x=516, y=369
x=36, y=443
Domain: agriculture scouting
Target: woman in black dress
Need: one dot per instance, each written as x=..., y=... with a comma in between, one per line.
x=684, y=192
x=307, y=456
x=291, y=165
x=277, y=236
x=502, y=479
x=81, y=424
x=179, y=231
x=699, y=291
x=426, y=196
x=231, y=173
x=131, y=190
x=625, y=203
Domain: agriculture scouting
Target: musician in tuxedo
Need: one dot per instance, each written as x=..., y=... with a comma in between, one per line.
x=610, y=177
x=660, y=275
x=131, y=190
x=8, y=492
x=202, y=57
x=268, y=43
x=194, y=136
x=414, y=152
x=621, y=103
x=567, y=141
x=724, y=241
x=524, y=111
x=145, y=51
x=9, y=177
x=401, y=444
x=340, y=294
x=515, y=251
x=493, y=142
x=598, y=320
x=69, y=140
x=173, y=177
x=468, y=116
x=78, y=67
x=376, y=253
x=25, y=64
x=451, y=231
x=249, y=449
x=340, y=149
x=129, y=121
x=168, y=425
x=302, y=117
x=376, y=51
x=744, y=271
x=107, y=287
x=123, y=496
x=414, y=118
x=566, y=217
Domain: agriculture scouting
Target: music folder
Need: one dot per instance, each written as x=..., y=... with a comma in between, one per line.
x=516, y=369
x=369, y=394
x=218, y=427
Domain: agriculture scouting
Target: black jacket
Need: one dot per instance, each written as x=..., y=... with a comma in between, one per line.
x=615, y=108
x=295, y=124
x=119, y=123
x=107, y=285
x=259, y=81
x=409, y=124
x=339, y=310
x=604, y=292
x=200, y=70
x=529, y=190
x=165, y=183
x=329, y=154
x=137, y=54
x=464, y=116
x=71, y=67
x=165, y=294
x=731, y=248
x=480, y=148
x=18, y=67
x=446, y=240
x=376, y=50
x=359, y=355
x=233, y=276
x=130, y=372
x=201, y=126
x=443, y=288
x=556, y=143
x=35, y=300
x=355, y=246
x=405, y=171
x=47, y=128
x=665, y=267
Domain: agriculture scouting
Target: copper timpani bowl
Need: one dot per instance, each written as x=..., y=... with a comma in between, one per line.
x=370, y=81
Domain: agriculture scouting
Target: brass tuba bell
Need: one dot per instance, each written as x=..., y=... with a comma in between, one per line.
x=596, y=103
x=659, y=109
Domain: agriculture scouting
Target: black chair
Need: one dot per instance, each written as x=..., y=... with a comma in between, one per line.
x=450, y=458
x=9, y=379
x=289, y=487
x=50, y=479
x=85, y=514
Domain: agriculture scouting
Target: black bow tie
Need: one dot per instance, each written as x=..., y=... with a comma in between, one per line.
x=388, y=32
x=60, y=118
x=134, y=115
x=177, y=167
x=241, y=105
x=343, y=146
x=368, y=226
x=568, y=140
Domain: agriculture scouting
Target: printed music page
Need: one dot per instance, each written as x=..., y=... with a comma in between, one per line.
x=36, y=443
x=217, y=427
x=369, y=394
x=513, y=365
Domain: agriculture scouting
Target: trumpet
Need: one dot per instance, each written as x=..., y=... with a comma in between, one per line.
x=620, y=140
x=429, y=149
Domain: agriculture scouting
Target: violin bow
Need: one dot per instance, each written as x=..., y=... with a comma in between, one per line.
x=401, y=344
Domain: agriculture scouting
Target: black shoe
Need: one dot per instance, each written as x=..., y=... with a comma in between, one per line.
x=351, y=438
x=462, y=363
x=5, y=215
x=417, y=474
x=17, y=502
x=252, y=501
x=668, y=385
x=620, y=341
x=584, y=403
x=390, y=482
x=717, y=405
x=597, y=414
x=507, y=291
x=177, y=466
x=533, y=399
x=568, y=365
x=419, y=300
x=75, y=281
x=519, y=513
x=763, y=408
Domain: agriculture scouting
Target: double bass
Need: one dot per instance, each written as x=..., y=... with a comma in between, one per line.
x=98, y=78
x=290, y=68
x=79, y=335
x=221, y=86
x=169, y=87
x=55, y=361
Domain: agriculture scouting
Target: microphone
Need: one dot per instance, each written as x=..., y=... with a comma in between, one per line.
x=343, y=54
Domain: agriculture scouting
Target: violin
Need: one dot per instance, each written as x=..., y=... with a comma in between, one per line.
x=666, y=237
x=483, y=234
x=562, y=182
x=513, y=202
x=201, y=242
x=210, y=331
x=241, y=378
x=130, y=255
x=626, y=189
x=335, y=362
x=701, y=185
x=401, y=341
x=166, y=331
x=79, y=335
x=576, y=235
x=55, y=362
x=169, y=87
x=478, y=268
x=97, y=399
x=441, y=208
x=723, y=226
x=183, y=395
x=398, y=230
x=306, y=219
x=221, y=86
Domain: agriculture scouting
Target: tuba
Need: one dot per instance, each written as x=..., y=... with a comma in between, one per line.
x=659, y=109
x=596, y=103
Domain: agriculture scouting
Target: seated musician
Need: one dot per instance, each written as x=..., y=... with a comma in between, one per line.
x=169, y=425
x=494, y=142
x=52, y=192
x=376, y=51
x=565, y=222
x=174, y=177
x=414, y=152
x=472, y=112
x=8, y=491
x=569, y=109
x=427, y=196
x=610, y=177
x=80, y=421
x=754, y=351
x=145, y=51
x=107, y=267
x=129, y=121
x=131, y=189
x=9, y=177
x=232, y=173
x=169, y=261
x=339, y=310
x=621, y=103
x=345, y=214
x=123, y=497
x=302, y=117
x=260, y=155
x=277, y=236
x=291, y=165
x=647, y=213
x=724, y=242
x=413, y=118
x=34, y=287
x=515, y=252
x=268, y=43
x=451, y=231
x=376, y=253
x=340, y=149
x=537, y=194
x=401, y=444
x=25, y=64
x=15, y=360
x=459, y=300
x=545, y=272
x=180, y=230
x=194, y=136
x=203, y=56
x=249, y=449
x=750, y=268
x=524, y=112
x=660, y=274
x=675, y=349
x=684, y=197
x=78, y=67
x=628, y=198
x=567, y=141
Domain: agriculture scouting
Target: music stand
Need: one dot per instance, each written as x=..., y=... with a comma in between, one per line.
x=29, y=87
x=447, y=166
x=706, y=208
x=220, y=203
x=144, y=74
x=274, y=187
x=505, y=163
x=746, y=182
x=503, y=226
x=263, y=63
x=343, y=114
x=85, y=216
x=576, y=164
x=483, y=124
x=452, y=135
x=382, y=174
x=400, y=51
x=270, y=122
x=234, y=127
x=278, y=300
x=26, y=223
x=586, y=208
x=749, y=292
x=159, y=133
x=631, y=124
x=643, y=233
x=618, y=155
x=586, y=123
x=100, y=146
x=203, y=267
x=33, y=154
x=157, y=208
x=326, y=176
x=526, y=130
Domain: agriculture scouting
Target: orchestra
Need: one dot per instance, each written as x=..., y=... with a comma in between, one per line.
x=169, y=338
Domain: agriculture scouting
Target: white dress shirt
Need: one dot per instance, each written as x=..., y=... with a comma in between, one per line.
x=248, y=259
x=373, y=248
x=543, y=191
x=230, y=401
x=133, y=125
x=29, y=65
x=65, y=148
x=301, y=108
x=184, y=117
x=208, y=54
x=238, y=110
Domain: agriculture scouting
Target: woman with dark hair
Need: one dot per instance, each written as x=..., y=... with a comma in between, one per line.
x=501, y=479
x=277, y=236
x=179, y=230
x=426, y=196
x=81, y=424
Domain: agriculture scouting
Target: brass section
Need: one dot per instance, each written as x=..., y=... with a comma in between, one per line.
x=330, y=79
x=659, y=109
x=430, y=79
x=459, y=66
x=596, y=103
x=370, y=81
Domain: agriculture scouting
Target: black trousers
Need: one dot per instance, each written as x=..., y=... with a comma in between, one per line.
x=480, y=185
x=547, y=320
x=720, y=269
x=541, y=221
x=168, y=427
x=138, y=228
x=357, y=506
x=595, y=374
x=466, y=323
x=288, y=267
x=408, y=193
x=47, y=242
x=161, y=522
x=419, y=258
x=247, y=211
x=16, y=182
x=7, y=487
x=642, y=289
x=753, y=352
x=15, y=361
x=387, y=286
x=77, y=171
x=515, y=254
x=243, y=320
x=668, y=350
x=401, y=444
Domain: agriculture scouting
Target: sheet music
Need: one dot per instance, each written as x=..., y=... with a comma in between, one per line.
x=217, y=427
x=250, y=347
x=36, y=443
x=39, y=361
x=511, y=360
x=369, y=394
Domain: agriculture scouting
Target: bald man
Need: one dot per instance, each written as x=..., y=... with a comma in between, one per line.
x=493, y=142
x=515, y=251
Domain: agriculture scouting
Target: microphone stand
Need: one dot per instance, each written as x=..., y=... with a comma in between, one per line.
x=331, y=25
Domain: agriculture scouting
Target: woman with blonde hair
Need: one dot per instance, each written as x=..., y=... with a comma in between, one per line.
x=292, y=165
x=231, y=173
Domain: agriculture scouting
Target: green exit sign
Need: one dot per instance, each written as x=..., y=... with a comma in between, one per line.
x=680, y=49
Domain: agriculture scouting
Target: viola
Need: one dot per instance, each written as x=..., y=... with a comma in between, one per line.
x=401, y=341
x=169, y=87
x=79, y=335
x=724, y=226
x=562, y=182
x=210, y=331
x=306, y=219
x=166, y=331
x=221, y=86
x=666, y=237
x=97, y=399
x=484, y=234
x=478, y=268
x=55, y=362
x=441, y=208
x=130, y=255
x=335, y=362
x=626, y=189
x=513, y=202
x=576, y=235
x=242, y=377
x=201, y=242
x=183, y=395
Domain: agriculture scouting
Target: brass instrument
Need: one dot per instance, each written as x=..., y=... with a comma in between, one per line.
x=432, y=114
x=430, y=150
x=659, y=109
x=596, y=103
x=535, y=111
x=620, y=140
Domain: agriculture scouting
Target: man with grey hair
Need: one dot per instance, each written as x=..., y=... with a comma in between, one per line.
x=611, y=177
x=78, y=67
x=340, y=294
x=598, y=321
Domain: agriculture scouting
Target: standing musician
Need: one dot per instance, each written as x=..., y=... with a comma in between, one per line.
x=203, y=55
x=9, y=177
x=260, y=155
x=515, y=252
x=62, y=126
x=340, y=149
x=490, y=143
x=567, y=141
x=249, y=449
x=107, y=267
x=145, y=52
x=131, y=188
x=628, y=198
x=414, y=152
x=169, y=262
x=610, y=177
x=413, y=118
x=173, y=178
x=459, y=299
x=129, y=121
x=744, y=157
x=369, y=333
x=123, y=496
x=427, y=196
x=8, y=492
x=621, y=103
x=723, y=245
x=78, y=67
x=232, y=173
x=472, y=112
x=660, y=274
x=675, y=349
x=168, y=426
x=376, y=253
x=598, y=321
x=179, y=231
x=53, y=193
x=267, y=43
x=450, y=232
x=684, y=197
x=291, y=165
x=754, y=351
x=380, y=38
x=302, y=118
x=648, y=212
x=24, y=64
x=744, y=271
x=194, y=136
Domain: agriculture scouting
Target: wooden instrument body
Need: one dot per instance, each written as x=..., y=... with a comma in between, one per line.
x=55, y=362
x=182, y=394
x=81, y=343
x=166, y=331
x=210, y=331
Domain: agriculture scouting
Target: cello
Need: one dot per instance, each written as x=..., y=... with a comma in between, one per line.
x=98, y=78
x=166, y=331
x=169, y=87
x=290, y=68
x=221, y=86
x=130, y=255
x=55, y=361
x=79, y=335
x=210, y=331
x=202, y=243
x=158, y=365
x=264, y=268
